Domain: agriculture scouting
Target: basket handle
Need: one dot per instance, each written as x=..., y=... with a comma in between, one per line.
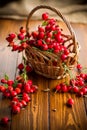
x=59, y=14
x=52, y=9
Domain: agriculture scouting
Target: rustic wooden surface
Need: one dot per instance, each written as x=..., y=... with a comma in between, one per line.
x=40, y=114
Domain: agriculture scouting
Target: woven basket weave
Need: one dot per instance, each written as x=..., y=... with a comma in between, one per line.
x=42, y=61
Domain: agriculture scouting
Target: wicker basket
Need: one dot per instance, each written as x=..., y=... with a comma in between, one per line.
x=42, y=61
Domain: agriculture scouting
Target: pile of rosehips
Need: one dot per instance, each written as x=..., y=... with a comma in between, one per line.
x=47, y=37
x=78, y=85
x=18, y=91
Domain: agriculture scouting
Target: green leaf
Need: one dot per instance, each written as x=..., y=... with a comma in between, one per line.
x=67, y=70
x=6, y=77
x=6, y=85
x=44, y=23
x=15, y=83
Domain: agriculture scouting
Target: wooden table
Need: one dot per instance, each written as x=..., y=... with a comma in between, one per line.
x=40, y=114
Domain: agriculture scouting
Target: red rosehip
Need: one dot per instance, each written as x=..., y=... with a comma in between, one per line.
x=75, y=89
x=63, y=57
x=26, y=99
x=66, y=51
x=6, y=94
x=12, y=35
x=79, y=66
x=14, y=47
x=2, y=88
x=24, y=45
x=44, y=47
x=39, y=43
x=15, y=109
x=23, y=103
x=22, y=30
x=40, y=29
x=70, y=88
x=4, y=81
x=19, y=104
x=28, y=68
x=21, y=36
x=45, y=16
x=19, y=85
x=9, y=39
x=33, y=89
x=18, y=90
x=58, y=88
x=84, y=90
x=21, y=66
x=15, y=99
x=29, y=82
x=10, y=82
x=70, y=102
x=41, y=35
x=13, y=93
x=64, y=88
x=27, y=88
x=35, y=35
x=5, y=120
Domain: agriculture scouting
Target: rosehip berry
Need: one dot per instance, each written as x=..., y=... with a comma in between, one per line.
x=28, y=68
x=45, y=16
x=24, y=45
x=27, y=88
x=44, y=47
x=66, y=51
x=39, y=43
x=6, y=94
x=70, y=102
x=14, y=47
x=19, y=104
x=21, y=36
x=4, y=120
x=23, y=103
x=41, y=35
x=79, y=67
x=18, y=90
x=64, y=88
x=2, y=88
x=80, y=93
x=35, y=35
x=26, y=99
x=63, y=57
x=84, y=90
x=21, y=66
x=13, y=93
x=19, y=85
x=40, y=29
x=22, y=30
x=9, y=39
x=75, y=89
x=33, y=88
x=58, y=88
x=15, y=99
x=15, y=109
x=10, y=82
x=4, y=81
x=12, y=35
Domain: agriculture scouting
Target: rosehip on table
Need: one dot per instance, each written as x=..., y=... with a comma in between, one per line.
x=4, y=120
x=70, y=102
x=15, y=109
